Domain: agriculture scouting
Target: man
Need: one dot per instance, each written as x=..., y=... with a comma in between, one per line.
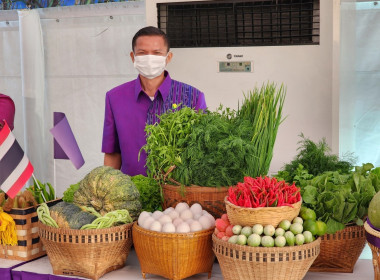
x=130, y=106
x=7, y=111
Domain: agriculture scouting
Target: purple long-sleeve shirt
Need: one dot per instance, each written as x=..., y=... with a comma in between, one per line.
x=129, y=109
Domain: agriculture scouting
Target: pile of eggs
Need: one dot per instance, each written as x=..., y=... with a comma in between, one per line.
x=181, y=219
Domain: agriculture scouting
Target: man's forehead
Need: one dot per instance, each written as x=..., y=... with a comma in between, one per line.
x=155, y=39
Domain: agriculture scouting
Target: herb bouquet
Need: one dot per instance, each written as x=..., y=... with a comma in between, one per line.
x=214, y=149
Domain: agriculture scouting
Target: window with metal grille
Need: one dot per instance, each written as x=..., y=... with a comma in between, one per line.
x=240, y=23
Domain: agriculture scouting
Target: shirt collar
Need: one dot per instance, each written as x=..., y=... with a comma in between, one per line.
x=163, y=89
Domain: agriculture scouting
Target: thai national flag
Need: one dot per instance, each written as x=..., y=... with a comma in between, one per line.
x=15, y=167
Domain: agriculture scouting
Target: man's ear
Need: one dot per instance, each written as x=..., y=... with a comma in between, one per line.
x=169, y=57
x=132, y=57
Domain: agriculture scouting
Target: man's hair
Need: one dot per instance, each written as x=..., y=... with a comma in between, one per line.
x=150, y=31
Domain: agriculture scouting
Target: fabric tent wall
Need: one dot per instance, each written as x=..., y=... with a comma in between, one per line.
x=70, y=57
x=360, y=81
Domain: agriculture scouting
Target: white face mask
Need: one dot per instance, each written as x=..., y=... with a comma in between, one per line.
x=150, y=66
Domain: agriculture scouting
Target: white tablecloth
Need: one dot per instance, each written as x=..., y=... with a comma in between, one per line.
x=363, y=270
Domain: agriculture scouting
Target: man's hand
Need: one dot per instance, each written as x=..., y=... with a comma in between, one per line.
x=113, y=160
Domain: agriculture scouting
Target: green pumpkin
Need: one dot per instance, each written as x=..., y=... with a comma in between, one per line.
x=69, y=215
x=107, y=189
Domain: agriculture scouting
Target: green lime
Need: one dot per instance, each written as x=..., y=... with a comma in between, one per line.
x=309, y=214
x=303, y=209
x=321, y=228
x=310, y=225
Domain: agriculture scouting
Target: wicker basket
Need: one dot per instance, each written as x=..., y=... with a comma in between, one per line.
x=173, y=255
x=86, y=253
x=211, y=198
x=373, y=238
x=260, y=263
x=29, y=246
x=261, y=215
x=341, y=250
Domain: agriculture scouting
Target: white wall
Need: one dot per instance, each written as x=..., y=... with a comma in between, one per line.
x=307, y=72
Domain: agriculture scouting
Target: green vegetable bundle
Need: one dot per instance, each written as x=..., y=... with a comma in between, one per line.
x=167, y=140
x=150, y=195
x=216, y=148
x=339, y=199
x=316, y=159
x=42, y=192
x=225, y=146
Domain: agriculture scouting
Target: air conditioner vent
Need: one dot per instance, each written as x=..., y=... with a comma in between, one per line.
x=240, y=23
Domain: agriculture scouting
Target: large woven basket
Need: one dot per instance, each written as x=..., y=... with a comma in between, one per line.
x=341, y=250
x=211, y=198
x=86, y=253
x=173, y=255
x=239, y=262
x=261, y=215
x=373, y=238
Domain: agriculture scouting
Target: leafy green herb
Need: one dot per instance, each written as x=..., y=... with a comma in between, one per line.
x=167, y=140
x=68, y=194
x=216, y=148
x=340, y=199
x=225, y=146
x=316, y=159
x=150, y=195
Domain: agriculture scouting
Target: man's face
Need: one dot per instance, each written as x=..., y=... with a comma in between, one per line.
x=151, y=45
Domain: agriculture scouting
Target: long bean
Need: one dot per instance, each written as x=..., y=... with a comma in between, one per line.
x=110, y=219
x=44, y=215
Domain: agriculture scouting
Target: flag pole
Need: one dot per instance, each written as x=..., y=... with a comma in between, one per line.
x=55, y=180
x=35, y=180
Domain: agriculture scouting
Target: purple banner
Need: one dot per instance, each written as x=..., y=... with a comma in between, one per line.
x=65, y=145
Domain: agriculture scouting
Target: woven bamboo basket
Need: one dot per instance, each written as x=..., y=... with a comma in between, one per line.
x=341, y=250
x=373, y=238
x=261, y=215
x=29, y=246
x=239, y=262
x=211, y=198
x=173, y=255
x=86, y=253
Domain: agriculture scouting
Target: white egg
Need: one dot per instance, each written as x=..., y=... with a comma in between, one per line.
x=205, y=222
x=181, y=207
x=168, y=210
x=197, y=216
x=168, y=227
x=173, y=214
x=183, y=228
x=147, y=222
x=141, y=219
x=204, y=212
x=195, y=226
x=196, y=208
x=145, y=214
x=186, y=214
x=155, y=226
x=157, y=214
x=165, y=219
x=177, y=221
x=211, y=218
x=189, y=221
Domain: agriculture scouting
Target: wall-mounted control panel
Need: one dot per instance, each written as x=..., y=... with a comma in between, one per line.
x=235, y=66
